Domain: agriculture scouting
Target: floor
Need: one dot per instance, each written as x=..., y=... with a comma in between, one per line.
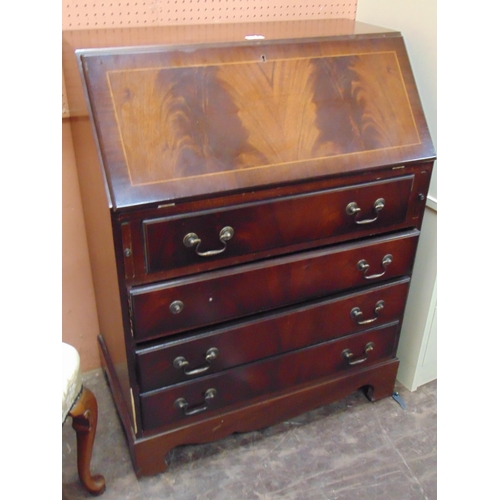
x=350, y=450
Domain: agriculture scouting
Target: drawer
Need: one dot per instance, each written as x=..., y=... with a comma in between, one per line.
x=181, y=241
x=270, y=334
x=279, y=373
x=217, y=296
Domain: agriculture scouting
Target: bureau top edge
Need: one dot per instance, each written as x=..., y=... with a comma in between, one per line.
x=119, y=39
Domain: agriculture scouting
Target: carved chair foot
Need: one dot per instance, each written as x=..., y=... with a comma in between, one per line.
x=84, y=414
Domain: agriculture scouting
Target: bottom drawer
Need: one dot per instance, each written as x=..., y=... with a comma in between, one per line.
x=202, y=396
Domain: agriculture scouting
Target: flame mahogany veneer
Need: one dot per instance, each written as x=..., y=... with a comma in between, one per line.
x=264, y=202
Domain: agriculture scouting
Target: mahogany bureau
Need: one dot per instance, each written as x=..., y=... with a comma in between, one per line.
x=264, y=200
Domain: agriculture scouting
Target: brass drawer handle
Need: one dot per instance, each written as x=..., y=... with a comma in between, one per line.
x=181, y=363
x=353, y=209
x=357, y=314
x=191, y=239
x=349, y=356
x=182, y=404
x=363, y=266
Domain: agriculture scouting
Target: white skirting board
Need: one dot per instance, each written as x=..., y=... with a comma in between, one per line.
x=417, y=349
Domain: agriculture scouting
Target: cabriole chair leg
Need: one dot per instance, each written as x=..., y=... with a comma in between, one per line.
x=84, y=415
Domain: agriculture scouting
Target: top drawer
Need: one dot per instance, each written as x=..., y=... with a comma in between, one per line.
x=180, y=241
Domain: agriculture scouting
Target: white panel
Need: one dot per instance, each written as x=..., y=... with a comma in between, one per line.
x=417, y=338
x=430, y=357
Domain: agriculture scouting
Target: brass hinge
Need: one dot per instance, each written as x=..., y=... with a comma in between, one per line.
x=166, y=205
x=130, y=316
x=128, y=261
x=133, y=410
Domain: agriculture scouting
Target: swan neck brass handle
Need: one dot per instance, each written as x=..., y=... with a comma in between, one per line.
x=357, y=314
x=349, y=356
x=363, y=266
x=191, y=240
x=181, y=363
x=182, y=404
x=353, y=209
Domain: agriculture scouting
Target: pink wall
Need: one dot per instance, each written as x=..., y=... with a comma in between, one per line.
x=79, y=317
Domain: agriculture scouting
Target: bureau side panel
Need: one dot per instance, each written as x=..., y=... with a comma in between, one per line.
x=101, y=249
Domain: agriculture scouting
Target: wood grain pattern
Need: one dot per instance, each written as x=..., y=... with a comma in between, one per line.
x=185, y=122
x=274, y=106
x=236, y=292
x=178, y=123
x=268, y=335
x=362, y=104
x=268, y=376
x=276, y=223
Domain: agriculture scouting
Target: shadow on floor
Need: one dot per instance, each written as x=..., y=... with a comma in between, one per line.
x=349, y=450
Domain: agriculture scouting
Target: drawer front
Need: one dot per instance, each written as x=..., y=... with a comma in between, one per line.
x=248, y=382
x=268, y=335
x=234, y=231
x=217, y=296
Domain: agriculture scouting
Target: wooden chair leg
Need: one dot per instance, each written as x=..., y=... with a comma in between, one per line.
x=84, y=414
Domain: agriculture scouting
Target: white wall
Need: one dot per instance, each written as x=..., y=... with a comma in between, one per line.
x=417, y=21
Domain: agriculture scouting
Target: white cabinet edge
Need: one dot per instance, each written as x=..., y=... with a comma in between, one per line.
x=432, y=203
